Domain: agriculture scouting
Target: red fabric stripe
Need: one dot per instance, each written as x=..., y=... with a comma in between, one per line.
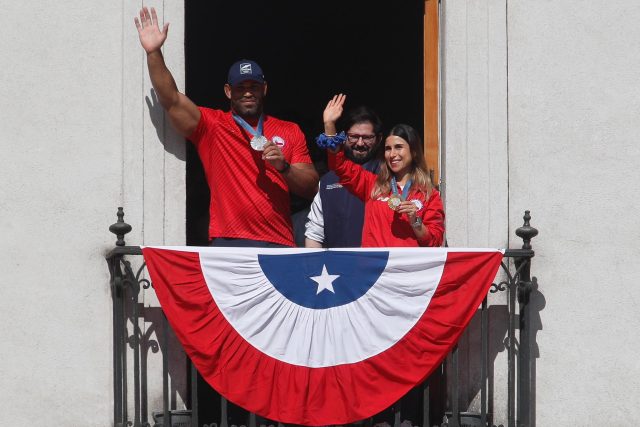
x=315, y=396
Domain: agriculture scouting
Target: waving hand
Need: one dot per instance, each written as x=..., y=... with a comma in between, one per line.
x=332, y=113
x=151, y=37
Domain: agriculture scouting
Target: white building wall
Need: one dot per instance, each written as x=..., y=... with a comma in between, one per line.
x=475, y=166
x=573, y=118
x=77, y=143
x=572, y=98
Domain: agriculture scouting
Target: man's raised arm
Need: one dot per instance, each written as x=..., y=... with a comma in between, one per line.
x=183, y=113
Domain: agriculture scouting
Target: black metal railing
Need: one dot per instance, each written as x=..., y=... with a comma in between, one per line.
x=440, y=395
x=520, y=384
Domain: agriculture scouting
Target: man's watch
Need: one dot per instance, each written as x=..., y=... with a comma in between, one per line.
x=417, y=223
x=286, y=167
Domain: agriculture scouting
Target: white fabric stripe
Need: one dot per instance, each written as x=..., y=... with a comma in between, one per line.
x=317, y=338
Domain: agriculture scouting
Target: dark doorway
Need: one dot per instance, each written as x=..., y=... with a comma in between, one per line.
x=372, y=51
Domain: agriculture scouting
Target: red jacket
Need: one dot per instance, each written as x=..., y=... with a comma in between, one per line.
x=383, y=227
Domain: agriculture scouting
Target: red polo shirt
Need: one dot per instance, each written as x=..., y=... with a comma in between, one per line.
x=249, y=197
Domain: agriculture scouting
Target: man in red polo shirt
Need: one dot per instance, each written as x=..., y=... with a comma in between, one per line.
x=251, y=160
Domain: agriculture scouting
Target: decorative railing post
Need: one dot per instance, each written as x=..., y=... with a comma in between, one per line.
x=120, y=228
x=114, y=260
x=125, y=289
x=520, y=356
x=132, y=343
x=526, y=355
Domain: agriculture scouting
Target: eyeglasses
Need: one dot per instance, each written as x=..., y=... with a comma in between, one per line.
x=354, y=137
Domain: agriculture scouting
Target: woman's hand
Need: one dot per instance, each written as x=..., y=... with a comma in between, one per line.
x=332, y=113
x=411, y=210
x=408, y=208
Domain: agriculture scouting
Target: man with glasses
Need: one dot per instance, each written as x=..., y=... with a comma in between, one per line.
x=336, y=216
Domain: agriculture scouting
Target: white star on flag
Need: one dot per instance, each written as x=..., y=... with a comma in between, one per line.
x=325, y=280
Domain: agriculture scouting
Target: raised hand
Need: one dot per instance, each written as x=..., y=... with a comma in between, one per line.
x=333, y=110
x=151, y=38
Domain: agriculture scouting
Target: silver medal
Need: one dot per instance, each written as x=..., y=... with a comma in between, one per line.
x=258, y=142
x=418, y=203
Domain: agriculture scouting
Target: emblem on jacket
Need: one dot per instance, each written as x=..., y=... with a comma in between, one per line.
x=333, y=186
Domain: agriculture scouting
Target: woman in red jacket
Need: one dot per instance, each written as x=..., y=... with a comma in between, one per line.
x=401, y=206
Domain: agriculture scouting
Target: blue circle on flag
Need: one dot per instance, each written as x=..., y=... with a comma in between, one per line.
x=324, y=279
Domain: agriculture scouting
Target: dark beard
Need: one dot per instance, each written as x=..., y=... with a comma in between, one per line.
x=247, y=113
x=348, y=152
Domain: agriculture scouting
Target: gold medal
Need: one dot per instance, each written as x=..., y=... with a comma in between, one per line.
x=393, y=202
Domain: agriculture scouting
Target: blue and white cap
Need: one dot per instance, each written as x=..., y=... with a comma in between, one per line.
x=245, y=69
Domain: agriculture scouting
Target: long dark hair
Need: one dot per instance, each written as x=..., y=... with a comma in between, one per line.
x=419, y=173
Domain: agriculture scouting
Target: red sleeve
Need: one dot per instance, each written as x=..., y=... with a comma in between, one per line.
x=353, y=176
x=208, y=117
x=433, y=219
x=300, y=154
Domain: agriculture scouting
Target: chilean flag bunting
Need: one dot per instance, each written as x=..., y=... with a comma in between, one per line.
x=317, y=336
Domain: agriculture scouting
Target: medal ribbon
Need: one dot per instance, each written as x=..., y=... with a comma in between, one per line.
x=246, y=126
x=405, y=190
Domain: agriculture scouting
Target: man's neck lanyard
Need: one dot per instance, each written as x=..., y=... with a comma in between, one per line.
x=258, y=141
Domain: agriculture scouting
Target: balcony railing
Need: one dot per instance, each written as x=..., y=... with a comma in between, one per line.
x=140, y=330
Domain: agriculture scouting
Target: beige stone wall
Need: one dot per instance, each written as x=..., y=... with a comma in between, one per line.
x=540, y=105
x=78, y=141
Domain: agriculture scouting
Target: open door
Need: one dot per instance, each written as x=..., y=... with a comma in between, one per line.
x=373, y=52
x=382, y=54
x=431, y=88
